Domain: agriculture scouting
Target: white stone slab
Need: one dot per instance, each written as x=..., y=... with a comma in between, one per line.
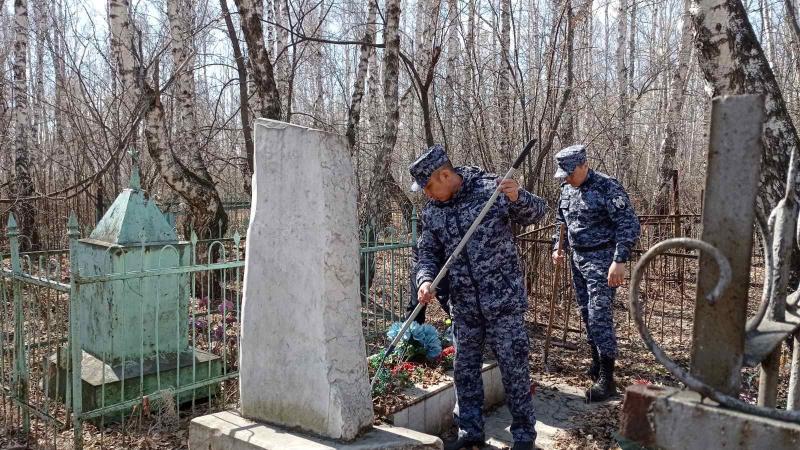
x=303, y=361
x=230, y=431
x=430, y=409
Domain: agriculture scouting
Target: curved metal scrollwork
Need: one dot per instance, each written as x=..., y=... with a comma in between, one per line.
x=677, y=371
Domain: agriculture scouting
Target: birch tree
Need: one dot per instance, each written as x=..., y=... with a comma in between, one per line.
x=5, y=120
x=244, y=97
x=732, y=62
x=187, y=137
x=260, y=63
x=23, y=180
x=380, y=189
x=365, y=52
x=207, y=216
x=503, y=87
x=677, y=95
x=623, y=138
x=452, y=82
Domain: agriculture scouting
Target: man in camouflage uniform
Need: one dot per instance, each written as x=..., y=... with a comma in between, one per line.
x=487, y=293
x=601, y=230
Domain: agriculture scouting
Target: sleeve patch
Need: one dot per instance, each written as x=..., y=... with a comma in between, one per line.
x=619, y=202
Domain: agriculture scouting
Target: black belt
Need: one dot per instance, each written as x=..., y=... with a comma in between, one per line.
x=592, y=248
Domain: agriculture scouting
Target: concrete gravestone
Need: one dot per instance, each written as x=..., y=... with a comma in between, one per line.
x=301, y=333
x=302, y=359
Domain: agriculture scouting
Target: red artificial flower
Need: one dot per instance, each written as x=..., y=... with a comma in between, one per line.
x=405, y=367
x=448, y=351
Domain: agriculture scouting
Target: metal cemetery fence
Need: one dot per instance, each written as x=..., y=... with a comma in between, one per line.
x=385, y=260
x=151, y=329
x=113, y=338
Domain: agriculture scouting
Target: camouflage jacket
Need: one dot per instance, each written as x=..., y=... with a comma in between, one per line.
x=486, y=278
x=598, y=214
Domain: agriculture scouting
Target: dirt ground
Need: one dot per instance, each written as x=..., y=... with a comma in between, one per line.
x=670, y=323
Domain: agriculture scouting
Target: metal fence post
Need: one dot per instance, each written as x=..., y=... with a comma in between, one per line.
x=20, y=358
x=74, y=334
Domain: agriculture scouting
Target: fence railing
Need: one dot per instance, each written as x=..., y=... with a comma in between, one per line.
x=668, y=287
x=51, y=303
x=386, y=263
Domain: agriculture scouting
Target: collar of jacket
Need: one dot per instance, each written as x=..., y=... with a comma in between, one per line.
x=589, y=180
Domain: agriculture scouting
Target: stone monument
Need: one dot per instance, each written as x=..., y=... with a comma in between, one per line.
x=303, y=376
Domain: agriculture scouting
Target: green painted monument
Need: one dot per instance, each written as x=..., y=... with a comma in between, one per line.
x=134, y=331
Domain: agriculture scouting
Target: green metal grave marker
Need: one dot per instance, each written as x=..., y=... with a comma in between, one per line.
x=133, y=333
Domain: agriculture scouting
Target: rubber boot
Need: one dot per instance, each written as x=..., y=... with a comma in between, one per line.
x=604, y=387
x=593, y=372
x=464, y=444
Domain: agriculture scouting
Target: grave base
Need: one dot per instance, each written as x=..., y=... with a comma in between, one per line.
x=104, y=384
x=228, y=430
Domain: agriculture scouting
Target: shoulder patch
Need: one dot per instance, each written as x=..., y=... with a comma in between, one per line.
x=619, y=202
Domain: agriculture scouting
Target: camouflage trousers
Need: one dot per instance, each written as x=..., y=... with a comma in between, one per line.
x=595, y=298
x=508, y=339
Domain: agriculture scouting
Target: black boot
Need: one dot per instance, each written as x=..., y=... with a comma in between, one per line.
x=593, y=372
x=464, y=444
x=604, y=387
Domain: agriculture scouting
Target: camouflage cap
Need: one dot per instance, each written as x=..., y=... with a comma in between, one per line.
x=567, y=159
x=422, y=169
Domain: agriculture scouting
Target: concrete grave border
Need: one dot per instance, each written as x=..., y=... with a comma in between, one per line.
x=431, y=409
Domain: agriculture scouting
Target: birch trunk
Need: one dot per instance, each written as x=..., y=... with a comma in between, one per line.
x=319, y=63
x=733, y=62
x=380, y=192
x=503, y=87
x=677, y=94
x=260, y=63
x=187, y=134
x=568, y=129
x=365, y=53
x=39, y=125
x=23, y=180
x=472, y=140
x=623, y=139
x=60, y=75
x=207, y=215
x=281, y=10
x=244, y=97
x=5, y=121
x=452, y=82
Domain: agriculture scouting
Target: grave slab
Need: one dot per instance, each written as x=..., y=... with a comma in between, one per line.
x=230, y=431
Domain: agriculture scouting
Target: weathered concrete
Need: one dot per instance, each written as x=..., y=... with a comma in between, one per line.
x=230, y=431
x=303, y=361
x=668, y=418
x=734, y=165
x=430, y=410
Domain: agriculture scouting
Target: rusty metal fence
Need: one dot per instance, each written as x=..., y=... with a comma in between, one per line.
x=668, y=286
